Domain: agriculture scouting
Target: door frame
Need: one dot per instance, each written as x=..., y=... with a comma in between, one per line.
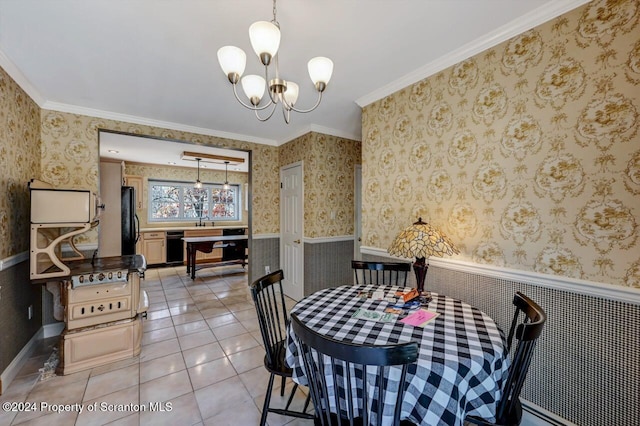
x=357, y=210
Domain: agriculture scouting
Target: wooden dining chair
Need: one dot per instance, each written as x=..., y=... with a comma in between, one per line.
x=273, y=319
x=381, y=273
x=526, y=331
x=371, y=366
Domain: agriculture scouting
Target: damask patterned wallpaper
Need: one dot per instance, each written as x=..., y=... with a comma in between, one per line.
x=328, y=181
x=526, y=155
x=20, y=155
x=184, y=174
x=70, y=157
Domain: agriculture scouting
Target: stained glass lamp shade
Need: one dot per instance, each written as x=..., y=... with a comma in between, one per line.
x=421, y=240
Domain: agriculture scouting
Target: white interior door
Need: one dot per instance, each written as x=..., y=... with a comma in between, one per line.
x=291, y=229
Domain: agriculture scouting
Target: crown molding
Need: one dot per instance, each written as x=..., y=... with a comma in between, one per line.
x=300, y=131
x=108, y=115
x=319, y=129
x=530, y=20
x=37, y=97
x=574, y=285
x=538, y=16
x=334, y=132
x=20, y=79
x=24, y=83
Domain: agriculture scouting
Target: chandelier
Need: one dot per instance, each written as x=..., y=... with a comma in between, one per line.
x=265, y=40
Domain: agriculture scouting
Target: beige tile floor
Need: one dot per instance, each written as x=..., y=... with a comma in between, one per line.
x=202, y=352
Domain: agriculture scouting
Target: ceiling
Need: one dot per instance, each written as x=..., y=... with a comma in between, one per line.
x=141, y=149
x=154, y=61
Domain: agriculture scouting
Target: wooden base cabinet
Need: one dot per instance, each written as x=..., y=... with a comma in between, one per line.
x=154, y=247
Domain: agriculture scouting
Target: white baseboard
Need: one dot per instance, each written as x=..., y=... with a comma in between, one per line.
x=14, y=366
x=534, y=415
x=23, y=356
x=51, y=330
x=532, y=420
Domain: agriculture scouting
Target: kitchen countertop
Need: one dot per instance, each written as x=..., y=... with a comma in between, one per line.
x=190, y=228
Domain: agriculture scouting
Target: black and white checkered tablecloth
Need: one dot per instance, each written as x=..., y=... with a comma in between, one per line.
x=462, y=353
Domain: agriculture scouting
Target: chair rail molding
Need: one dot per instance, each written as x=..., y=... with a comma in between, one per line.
x=556, y=282
x=10, y=261
x=318, y=240
x=264, y=236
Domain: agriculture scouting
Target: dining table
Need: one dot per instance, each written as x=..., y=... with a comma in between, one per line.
x=462, y=359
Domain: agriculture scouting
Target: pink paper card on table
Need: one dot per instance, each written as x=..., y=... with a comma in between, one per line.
x=420, y=318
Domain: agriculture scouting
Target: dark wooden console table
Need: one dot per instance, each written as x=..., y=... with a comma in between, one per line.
x=207, y=244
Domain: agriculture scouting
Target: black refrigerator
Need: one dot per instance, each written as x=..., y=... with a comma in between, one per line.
x=129, y=225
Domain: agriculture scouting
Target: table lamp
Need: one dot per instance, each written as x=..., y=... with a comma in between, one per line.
x=421, y=240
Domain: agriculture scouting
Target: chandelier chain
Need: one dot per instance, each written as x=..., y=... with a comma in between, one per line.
x=275, y=21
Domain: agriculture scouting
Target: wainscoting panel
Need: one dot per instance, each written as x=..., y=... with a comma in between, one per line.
x=263, y=252
x=327, y=264
x=17, y=295
x=586, y=367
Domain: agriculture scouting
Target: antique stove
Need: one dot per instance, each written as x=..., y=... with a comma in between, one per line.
x=103, y=308
x=98, y=299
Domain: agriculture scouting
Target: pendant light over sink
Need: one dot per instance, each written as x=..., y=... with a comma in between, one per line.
x=226, y=172
x=198, y=184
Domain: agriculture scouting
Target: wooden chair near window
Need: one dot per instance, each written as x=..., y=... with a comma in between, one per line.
x=526, y=331
x=381, y=273
x=273, y=319
x=328, y=361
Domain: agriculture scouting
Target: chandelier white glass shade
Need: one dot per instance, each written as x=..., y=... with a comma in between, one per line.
x=265, y=40
x=198, y=184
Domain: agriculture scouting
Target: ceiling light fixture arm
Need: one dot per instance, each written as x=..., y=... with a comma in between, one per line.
x=278, y=88
x=268, y=116
x=304, y=111
x=286, y=114
x=253, y=106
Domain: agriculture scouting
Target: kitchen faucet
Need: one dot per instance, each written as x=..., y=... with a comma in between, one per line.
x=199, y=223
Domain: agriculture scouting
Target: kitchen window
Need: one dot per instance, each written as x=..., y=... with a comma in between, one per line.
x=180, y=201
